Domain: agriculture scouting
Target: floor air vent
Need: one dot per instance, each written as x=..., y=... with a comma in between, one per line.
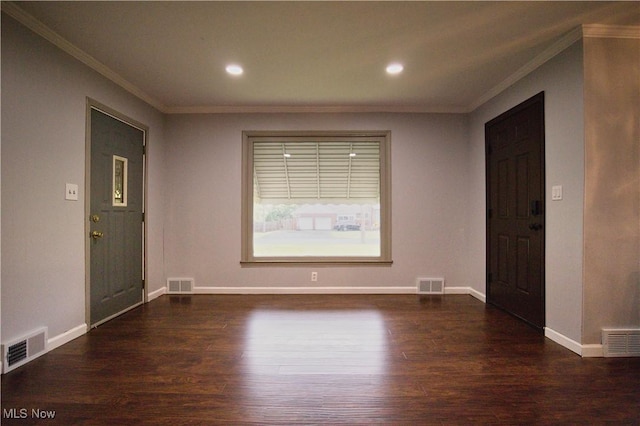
x=430, y=285
x=20, y=351
x=180, y=285
x=620, y=342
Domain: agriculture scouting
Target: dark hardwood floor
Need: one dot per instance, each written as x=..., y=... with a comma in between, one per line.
x=311, y=359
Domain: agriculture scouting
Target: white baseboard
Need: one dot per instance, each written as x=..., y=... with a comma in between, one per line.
x=66, y=337
x=466, y=290
x=50, y=344
x=331, y=290
x=155, y=294
x=304, y=290
x=480, y=296
x=592, y=351
x=586, y=351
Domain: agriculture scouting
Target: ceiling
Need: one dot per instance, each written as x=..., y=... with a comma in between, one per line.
x=314, y=56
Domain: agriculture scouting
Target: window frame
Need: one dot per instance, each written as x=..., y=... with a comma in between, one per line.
x=249, y=137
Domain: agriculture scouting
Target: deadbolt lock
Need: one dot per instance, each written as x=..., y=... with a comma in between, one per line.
x=95, y=218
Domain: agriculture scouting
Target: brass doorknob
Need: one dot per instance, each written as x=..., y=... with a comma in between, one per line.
x=96, y=234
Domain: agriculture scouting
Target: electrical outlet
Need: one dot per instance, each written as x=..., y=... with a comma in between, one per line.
x=314, y=276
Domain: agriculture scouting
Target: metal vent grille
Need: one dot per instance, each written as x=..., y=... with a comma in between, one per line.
x=17, y=353
x=621, y=342
x=24, y=349
x=180, y=285
x=430, y=285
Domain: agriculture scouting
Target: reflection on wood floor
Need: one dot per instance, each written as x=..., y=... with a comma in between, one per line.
x=320, y=359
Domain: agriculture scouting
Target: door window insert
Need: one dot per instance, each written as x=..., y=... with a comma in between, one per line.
x=120, y=166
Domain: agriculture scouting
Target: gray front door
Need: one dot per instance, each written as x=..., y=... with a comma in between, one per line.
x=116, y=222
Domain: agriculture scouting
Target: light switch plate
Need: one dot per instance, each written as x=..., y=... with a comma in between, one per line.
x=556, y=193
x=71, y=192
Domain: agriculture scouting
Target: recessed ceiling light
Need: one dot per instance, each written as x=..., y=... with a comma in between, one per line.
x=394, y=68
x=234, y=69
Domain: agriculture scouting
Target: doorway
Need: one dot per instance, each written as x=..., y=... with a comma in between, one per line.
x=514, y=146
x=115, y=180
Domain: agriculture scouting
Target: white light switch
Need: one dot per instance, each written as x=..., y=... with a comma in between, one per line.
x=556, y=193
x=71, y=192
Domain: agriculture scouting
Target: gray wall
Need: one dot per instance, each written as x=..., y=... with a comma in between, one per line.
x=561, y=79
x=437, y=193
x=44, y=95
x=429, y=199
x=612, y=204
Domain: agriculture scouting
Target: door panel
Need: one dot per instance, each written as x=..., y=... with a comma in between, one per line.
x=515, y=219
x=116, y=230
x=522, y=186
x=523, y=259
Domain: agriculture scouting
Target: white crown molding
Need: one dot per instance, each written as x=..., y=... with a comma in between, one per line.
x=13, y=10
x=553, y=50
x=279, y=109
x=26, y=19
x=611, y=31
x=592, y=30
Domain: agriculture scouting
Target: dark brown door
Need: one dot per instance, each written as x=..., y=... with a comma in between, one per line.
x=515, y=217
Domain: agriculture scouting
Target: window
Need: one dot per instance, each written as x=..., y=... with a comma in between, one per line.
x=316, y=197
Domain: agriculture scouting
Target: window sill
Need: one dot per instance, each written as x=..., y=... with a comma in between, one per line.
x=314, y=262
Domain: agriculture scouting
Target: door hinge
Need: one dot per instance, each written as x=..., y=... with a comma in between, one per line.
x=143, y=217
x=143, y=284
x=489, y=277
x=144, y=150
